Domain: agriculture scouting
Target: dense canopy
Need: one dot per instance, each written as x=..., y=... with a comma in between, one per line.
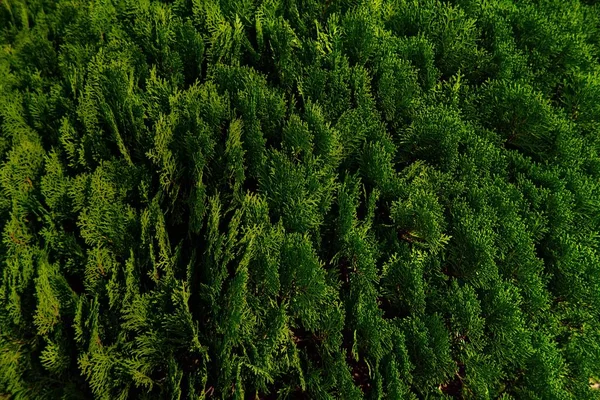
x=320, y=199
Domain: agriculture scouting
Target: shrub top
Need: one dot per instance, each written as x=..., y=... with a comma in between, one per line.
x=299, y=199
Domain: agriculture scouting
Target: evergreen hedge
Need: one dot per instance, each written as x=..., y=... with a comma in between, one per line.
x=380, y=199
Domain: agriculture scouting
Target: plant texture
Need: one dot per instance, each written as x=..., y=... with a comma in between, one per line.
x=318, y=199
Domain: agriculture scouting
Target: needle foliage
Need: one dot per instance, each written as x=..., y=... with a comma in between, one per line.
x=320, y=199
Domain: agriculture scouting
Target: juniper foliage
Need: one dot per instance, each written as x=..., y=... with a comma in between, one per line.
x=299, y=199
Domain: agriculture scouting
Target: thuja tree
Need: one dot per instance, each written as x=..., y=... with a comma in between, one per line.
x=299, y=199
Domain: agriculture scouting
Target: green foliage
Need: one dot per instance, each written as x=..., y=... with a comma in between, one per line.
x=299, y=199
